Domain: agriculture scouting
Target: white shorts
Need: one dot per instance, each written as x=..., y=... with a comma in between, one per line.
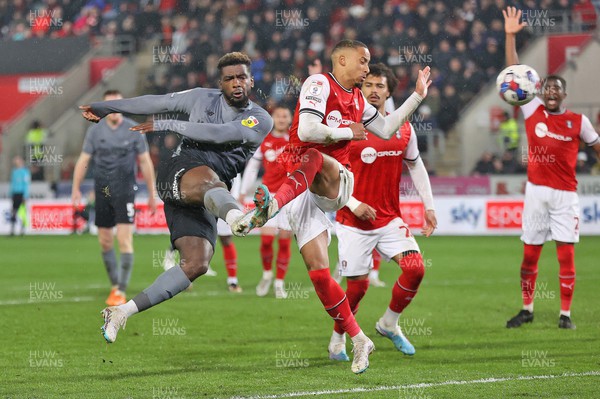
x=355, y=246
x=550, y=214
x=223, y=228
x=280, y=221
x=306, y=213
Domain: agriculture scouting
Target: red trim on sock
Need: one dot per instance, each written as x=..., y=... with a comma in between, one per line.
x=529, y=272
x=299, y=180
x=355, y=292
x=283, y=257
x=230, y=256
x=566, y=275
x=334, y=300
x=266, y=251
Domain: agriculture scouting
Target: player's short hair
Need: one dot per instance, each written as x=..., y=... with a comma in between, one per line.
x=346, y=43
x=380, y=69
x=112, y=92
x=559, y=78
x=234, y=58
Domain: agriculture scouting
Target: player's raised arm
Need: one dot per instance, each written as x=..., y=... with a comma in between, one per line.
x=145, y=105
x=512, y=26
x=251, y=128
x=386, y=127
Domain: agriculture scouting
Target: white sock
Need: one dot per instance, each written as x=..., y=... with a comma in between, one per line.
x=335, y=337
x=279, y=283
x=374, y=274
x=565, y=313
x=528, y=307
x=233, y=215
x=390, y=319
x=232, y=280
x=359, y=337
x=267, y=274
x=129, y=307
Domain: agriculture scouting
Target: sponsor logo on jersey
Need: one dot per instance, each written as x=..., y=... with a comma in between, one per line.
x=313, y=98
x=541, y=130
x=315, y=88
x=504, y=214
x=250, y=122
x=369, y=154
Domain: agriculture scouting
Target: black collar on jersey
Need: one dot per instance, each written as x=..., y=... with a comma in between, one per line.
x=339, y=84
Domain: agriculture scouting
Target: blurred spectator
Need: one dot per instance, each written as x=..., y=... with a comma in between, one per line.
x=508, y=130
x=34, y=140
x=582, y=163
x=485, y=165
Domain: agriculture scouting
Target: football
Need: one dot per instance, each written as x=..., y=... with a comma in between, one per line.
x=518, y=84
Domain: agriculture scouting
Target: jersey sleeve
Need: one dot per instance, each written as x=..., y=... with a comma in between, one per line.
x=588, y=134
x=88, y=141
x=411, y=153
x=258, y=155
x=313, y=95
x=529, y=108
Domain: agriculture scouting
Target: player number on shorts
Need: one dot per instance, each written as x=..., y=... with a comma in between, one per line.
x=130, y=210
x=407, y=231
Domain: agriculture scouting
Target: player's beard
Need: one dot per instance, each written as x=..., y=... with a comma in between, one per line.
x=239, y=102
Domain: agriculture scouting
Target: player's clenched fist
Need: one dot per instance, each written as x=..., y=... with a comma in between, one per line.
x=358, y=131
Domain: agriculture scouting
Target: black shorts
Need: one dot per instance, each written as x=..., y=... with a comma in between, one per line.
x=114, y=207
x=17, y=201
x=185, y=220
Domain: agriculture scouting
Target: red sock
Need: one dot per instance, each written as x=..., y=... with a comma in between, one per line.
x=299, y=180
x=376, y=260
x=355, y=292
x=283, y=258
x=529, y=272
x=266, y=251
x=334, y=299
x=566, y=276
x=230, y=256
x=408, y=283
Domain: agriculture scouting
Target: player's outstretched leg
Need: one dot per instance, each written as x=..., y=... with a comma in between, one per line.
x=267, y=205
x=404, y=290
x=196, y=253
x=529, y=271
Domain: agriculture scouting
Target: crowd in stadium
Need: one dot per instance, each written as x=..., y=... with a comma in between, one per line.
x=283, y=37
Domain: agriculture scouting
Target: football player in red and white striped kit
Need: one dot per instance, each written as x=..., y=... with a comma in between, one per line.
x=371, y=219
x=274, y=176
x=551, y=208
x=331, y=112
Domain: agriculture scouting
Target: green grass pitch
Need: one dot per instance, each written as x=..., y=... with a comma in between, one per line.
x=208, y=343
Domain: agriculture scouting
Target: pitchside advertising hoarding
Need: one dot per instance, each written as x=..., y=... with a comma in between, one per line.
x=457, y=215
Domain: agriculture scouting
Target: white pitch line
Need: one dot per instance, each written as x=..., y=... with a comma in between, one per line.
x=421, y=385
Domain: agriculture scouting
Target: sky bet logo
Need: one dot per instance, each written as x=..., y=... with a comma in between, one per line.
x=591, y=214
x=463, y=214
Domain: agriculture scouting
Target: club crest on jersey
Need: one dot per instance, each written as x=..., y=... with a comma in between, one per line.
x=569, y=124
x=315, y=88
x=250, y=122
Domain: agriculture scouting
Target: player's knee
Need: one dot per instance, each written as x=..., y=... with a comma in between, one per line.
x=194, y=268
x=194, y=192
x=413, y=267
x=314, y=156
